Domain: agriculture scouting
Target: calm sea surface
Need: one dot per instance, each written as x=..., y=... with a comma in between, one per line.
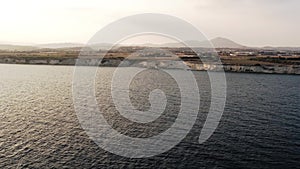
x=260, y=127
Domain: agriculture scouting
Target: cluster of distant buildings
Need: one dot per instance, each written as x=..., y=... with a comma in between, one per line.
x=257, y=52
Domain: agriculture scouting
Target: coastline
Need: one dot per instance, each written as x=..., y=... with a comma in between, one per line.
x=114, y=62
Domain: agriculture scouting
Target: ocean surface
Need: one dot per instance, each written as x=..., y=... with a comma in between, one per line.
x=39, y=128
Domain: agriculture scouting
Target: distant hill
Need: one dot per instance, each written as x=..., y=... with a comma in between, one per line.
x=225, y=43
x=17, y=47
x=60, y=45
x=281, y=48
x=216, y=42
x=74, y=45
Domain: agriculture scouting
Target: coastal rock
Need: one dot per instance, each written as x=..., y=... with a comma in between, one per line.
x=171, y=64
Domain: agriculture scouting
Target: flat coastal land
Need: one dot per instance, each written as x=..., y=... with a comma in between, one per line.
x=231, y=60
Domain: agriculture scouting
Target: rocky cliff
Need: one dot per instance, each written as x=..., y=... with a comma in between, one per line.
x=278, y=69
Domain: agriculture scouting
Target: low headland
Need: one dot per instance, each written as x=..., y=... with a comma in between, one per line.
x=250, y=60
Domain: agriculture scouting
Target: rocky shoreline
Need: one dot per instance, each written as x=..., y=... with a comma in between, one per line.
x=113, y=62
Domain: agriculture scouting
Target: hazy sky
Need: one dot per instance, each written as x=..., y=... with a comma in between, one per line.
x=249, y=22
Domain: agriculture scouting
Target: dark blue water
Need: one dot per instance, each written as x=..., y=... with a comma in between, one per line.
x=39, y=128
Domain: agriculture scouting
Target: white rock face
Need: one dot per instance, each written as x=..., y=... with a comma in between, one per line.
x=289, y=69
x=53, y=62
x=167, y=64
x=40, y=61
x=264, y=69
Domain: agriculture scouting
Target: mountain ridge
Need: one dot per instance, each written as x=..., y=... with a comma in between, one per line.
x=218, y=42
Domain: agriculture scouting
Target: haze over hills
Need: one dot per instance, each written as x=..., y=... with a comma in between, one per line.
x=60, y=45
x=218, y=42
x=17, y=47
